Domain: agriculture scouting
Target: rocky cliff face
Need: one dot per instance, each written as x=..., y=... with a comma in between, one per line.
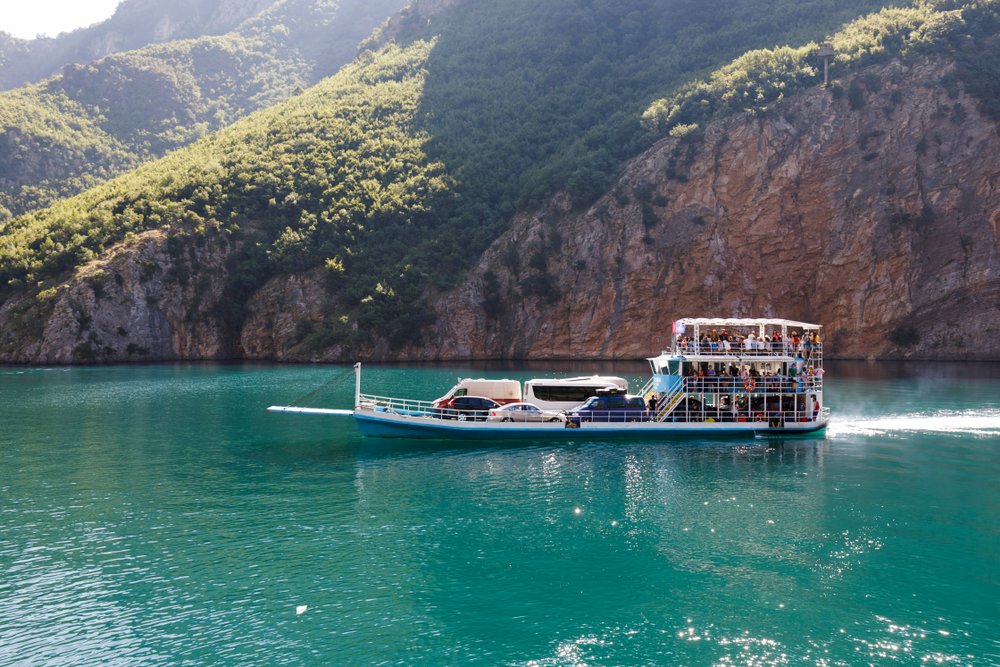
x=880, y=222
x=140, y=302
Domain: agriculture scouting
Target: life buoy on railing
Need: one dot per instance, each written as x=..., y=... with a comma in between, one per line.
x=759, y=418
x=749, y=384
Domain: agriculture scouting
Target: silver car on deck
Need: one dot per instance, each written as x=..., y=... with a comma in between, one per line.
x=524, y=412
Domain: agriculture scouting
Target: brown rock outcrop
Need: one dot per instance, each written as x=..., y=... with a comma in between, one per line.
x=139, y=303
x=277, y=309
x=880, y=223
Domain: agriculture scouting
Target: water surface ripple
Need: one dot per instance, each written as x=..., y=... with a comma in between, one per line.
x=157, y=515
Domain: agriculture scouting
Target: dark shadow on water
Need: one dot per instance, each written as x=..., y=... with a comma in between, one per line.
x=909, y=370
x=322, y=451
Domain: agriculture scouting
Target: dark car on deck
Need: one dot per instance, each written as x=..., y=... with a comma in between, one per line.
x=610, y=406
x=469, y=408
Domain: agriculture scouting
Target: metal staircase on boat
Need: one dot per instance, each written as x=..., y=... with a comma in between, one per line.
x=666, y=404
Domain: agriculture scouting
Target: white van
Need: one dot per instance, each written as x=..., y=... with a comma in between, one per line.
x=566, y=393
x=501, y=391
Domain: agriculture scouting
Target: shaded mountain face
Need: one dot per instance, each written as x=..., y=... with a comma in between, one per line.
x=134, y=24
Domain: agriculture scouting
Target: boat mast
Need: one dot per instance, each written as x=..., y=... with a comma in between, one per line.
x=357, y=384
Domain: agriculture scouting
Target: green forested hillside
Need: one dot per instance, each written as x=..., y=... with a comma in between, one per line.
x=399, y=171
x=966, y=32
x=549, y=96
x=64, y=135
x=135, y=24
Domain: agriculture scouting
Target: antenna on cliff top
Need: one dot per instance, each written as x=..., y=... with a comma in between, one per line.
x=826, y=52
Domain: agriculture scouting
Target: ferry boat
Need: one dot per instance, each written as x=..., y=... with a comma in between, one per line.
x=720, y=377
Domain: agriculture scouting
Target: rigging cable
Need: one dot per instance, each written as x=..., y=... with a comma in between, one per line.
x=325, y=389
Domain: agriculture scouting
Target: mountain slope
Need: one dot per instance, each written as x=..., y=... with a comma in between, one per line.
x=135, y=24
x=881, y=222
x=93, y=121
x=335, y=224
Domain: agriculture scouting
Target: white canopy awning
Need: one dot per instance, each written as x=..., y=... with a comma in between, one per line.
x=745, y=322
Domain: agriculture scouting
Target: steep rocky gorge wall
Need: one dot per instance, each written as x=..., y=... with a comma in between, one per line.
x=881, y=223
x=143, y=302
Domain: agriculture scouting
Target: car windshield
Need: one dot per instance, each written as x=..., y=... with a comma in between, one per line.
x=591, y=402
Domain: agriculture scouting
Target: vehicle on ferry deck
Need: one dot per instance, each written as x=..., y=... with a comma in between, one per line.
x=469, y=408
x=566, y=393
x=524, y=412
x=610, y=406
x=501, y=391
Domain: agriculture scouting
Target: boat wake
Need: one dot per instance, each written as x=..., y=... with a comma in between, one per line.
x=959, y=423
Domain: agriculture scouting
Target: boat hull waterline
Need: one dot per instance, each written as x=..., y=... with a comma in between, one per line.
x=382, y=425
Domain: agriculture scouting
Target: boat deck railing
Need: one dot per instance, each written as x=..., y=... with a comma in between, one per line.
x=678, y=410
x=400, y=406
x=703, y=414
x=674, y=409
x=814, y=354
x=773, y=384
x=708, y=414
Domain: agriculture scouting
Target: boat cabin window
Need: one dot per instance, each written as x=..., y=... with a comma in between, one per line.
x=564, y=393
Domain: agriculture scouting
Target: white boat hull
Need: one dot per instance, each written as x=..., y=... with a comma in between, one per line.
x=389, y=425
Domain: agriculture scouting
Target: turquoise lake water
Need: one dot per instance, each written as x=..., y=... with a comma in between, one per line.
x=157, y=515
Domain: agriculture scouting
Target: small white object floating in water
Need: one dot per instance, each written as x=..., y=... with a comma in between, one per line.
x=301, y=609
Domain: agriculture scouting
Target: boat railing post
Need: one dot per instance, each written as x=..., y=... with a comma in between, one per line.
x=357, y=384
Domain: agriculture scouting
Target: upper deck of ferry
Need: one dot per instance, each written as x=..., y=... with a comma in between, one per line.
x=738, y=339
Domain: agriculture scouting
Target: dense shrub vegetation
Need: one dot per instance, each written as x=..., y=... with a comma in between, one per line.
x=139, y=23
x=966, y=32
x=97, y=120
x=337, y=174
x=525, y=97
x=395, y=174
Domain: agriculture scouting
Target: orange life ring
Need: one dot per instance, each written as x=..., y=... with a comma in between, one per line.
x=749, y=384
x=759, y=418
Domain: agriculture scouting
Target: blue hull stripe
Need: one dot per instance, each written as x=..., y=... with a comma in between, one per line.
x=381, y=427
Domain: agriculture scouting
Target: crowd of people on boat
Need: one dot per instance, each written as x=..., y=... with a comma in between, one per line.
x=723, y=342
x=744, y=410
x=716, y=378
